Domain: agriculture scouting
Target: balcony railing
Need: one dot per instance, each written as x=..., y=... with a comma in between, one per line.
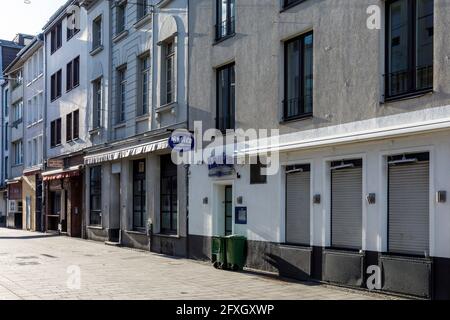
x=406, y=82
x=225, y=28
x=296, y=108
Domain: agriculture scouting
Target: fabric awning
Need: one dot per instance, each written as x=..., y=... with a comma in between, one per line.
x=61, y=173
x=126, y=152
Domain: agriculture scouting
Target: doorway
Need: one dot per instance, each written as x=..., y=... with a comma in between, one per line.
x=228, y=208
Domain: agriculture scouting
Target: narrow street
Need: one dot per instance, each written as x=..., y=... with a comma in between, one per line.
x=38, y=266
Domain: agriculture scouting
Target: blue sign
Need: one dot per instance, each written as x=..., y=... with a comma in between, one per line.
x=220, y=166
x=241, y=215
x=182, y=141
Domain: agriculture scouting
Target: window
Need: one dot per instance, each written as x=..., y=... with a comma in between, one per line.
x=298, y=69
x=40, y=150
x=18, y=112
x=139, y=195
x=69, y=122
x=169, y=73
x=71, y=30
x=122, y=95
x=56, y=37
x=290, y=3
x=96, y=196
x=40, y=106
x=97, y=33
x=29, y=153
x=120, y=18
x=144, y=85
x=256, y=175
x=73, y=74
x=143, y=8
x=72, y=126
x=97, y=104
x=34, y=157
x=41, y=61
x=55, y=133
x=29, y=114
x=225, y=18
x=5, y=102
x=76, y=124
x=169, y=198
x=18, y=152
x=6, y=166
x=55, y=89
x=6, y=136
x=409, y=47
x=225, y=117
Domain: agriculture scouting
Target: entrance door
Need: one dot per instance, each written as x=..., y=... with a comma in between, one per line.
x=228, y=204
x=38, y=204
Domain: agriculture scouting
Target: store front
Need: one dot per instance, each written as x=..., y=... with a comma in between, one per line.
x=63, y=195
x=150, y=213
x=15, y=205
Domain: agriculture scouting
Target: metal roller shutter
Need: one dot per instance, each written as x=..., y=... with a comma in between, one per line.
x=298, y=208
x=409, y=208
x=346, y=208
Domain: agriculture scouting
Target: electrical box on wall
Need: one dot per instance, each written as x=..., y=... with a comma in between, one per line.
x=441, y=197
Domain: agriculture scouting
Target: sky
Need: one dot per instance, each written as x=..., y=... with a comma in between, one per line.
x=18, y=17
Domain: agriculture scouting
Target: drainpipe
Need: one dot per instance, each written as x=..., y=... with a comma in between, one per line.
x=44, y=139
x=188, y=125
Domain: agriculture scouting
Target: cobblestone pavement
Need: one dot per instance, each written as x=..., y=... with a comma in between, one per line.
x=36, y=266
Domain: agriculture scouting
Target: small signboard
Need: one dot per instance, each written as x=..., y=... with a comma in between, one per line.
x=55, y=163
x=241, y=215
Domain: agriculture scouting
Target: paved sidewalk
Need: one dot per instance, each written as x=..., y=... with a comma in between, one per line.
x=36, y=266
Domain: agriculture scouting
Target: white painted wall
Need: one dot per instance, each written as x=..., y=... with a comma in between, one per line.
x=266, y=203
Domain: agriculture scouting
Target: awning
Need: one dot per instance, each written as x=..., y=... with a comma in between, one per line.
x=61, y=173
x=14, y=181
x=127, y=152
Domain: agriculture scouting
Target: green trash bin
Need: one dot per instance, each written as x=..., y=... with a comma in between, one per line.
x=218, y=254
x=236, y=247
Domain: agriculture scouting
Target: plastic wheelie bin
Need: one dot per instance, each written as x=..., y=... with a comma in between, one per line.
x=218, y=254
x=236, y=247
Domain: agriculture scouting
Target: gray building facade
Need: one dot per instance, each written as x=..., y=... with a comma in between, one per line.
x=358, y=92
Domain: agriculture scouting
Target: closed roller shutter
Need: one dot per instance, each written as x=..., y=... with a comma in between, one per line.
x=346, y=208
x=409, y=208
x=298, y=208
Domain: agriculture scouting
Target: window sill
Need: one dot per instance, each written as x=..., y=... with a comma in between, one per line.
x=169, y=236
x=143, y=117
x=34, y=123
x=143, y=21
x=289, y=6
x=138, y=233
x=224, y=38
x=120, y=125
x=167, y=107
x=74, y=87
x=56, y=146
x=95, y=227
x=95, y=131
x=297, y=118
x=120, y=36
x=96, y=51
x=53, y=100
x=408, y=96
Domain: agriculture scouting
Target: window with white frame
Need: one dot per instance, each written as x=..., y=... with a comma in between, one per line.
x=168, y=73
x=29, y=111
x=121, y=96
x=18, y=111
x=144, y=88
x=97, y=103
x=18, y=152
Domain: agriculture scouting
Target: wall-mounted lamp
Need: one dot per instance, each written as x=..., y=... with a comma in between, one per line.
x=441, y=197
x=205, y=200
x=240, y=200
x=317, y=199
x=371, y=198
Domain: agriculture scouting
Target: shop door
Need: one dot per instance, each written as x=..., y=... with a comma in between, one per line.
x=76, y=191
x=409, y=206
x=346, y=205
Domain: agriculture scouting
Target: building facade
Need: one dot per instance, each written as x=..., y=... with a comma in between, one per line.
x=8, y=54
x=363, y=138
x=148, y=95
x=66, y=119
